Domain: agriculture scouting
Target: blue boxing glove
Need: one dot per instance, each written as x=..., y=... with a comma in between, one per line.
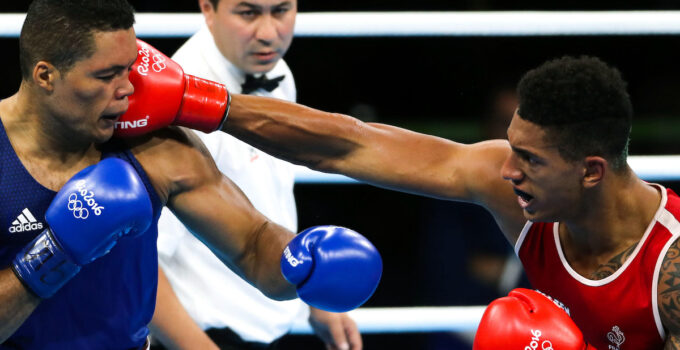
x=334, y=268
x=85, y=219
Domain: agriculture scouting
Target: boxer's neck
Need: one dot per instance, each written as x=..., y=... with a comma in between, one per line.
x=49, y=156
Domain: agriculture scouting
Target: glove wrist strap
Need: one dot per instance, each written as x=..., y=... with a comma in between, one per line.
x=205, y=105
x=43, y=266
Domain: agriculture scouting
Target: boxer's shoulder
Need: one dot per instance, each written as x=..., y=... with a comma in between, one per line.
x=174, y=159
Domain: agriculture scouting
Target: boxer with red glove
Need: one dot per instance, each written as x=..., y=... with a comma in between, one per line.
x=527, y=319
x=164, y=96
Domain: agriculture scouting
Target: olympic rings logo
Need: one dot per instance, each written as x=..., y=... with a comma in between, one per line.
x=76, y=206
x=158, y=63
x=145, y=59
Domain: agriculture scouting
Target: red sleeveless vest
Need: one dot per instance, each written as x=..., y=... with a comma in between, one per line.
x=617, y=312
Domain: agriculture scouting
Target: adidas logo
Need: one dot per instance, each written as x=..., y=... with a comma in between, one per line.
x=25, y=222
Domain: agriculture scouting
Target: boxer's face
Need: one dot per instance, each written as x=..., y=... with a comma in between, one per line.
x=548, y=187
x=251, y=34
x=89, y=97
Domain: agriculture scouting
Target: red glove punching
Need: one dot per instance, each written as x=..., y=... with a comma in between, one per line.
x=164, y=96
x=527, y=320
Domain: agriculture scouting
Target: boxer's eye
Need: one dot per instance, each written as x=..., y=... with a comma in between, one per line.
x=108, y=77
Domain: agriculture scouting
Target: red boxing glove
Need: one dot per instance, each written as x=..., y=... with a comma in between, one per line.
x=527, y=320
x=164, y=96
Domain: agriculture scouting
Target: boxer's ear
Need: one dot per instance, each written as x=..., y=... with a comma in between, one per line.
x=44, y=75
x=593, y=171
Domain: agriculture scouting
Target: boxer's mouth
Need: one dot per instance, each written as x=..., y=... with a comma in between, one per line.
x=523, y=198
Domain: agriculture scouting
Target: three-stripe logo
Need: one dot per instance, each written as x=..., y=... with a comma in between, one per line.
x=25, y=222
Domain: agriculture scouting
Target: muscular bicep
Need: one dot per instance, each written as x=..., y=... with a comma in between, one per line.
x=401, y=159
x=215, y=210
x=669, y=295
x=486, y=186
x=404, y=160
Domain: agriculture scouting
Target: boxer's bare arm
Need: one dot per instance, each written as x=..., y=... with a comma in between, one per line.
x=380, y=154
x=212, y=207
x=668, y=295
x=16, y=303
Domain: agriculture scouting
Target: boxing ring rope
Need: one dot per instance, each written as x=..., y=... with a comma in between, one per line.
x=468, y=23
x=409, y=319
x=649, y=168
x=370, y=24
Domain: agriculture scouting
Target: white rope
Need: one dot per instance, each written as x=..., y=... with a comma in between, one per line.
x=488, y=23
x=649, y=168
x=409, y=319
x=656, y=168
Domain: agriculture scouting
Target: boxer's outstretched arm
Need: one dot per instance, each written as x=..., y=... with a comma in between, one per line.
x=16, y=303
x=379, y=154
x=215, y=210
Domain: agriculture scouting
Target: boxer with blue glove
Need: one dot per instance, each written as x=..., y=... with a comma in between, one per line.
x=59, y=122
x=90, y=213
x=326, y=281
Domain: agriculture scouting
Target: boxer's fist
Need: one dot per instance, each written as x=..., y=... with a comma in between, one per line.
x=527, y=319
x=164, y=96
x=85, y=219
x=334, y=268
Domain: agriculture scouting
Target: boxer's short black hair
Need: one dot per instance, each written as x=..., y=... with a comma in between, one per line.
x=61, y=32
x=583, y=105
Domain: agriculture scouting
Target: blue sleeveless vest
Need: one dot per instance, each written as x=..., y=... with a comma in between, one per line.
x=110, y=302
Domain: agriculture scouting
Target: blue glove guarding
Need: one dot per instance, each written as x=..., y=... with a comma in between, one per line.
x=94, y=208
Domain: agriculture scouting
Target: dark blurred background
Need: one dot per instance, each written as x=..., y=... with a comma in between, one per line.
x=436, y=252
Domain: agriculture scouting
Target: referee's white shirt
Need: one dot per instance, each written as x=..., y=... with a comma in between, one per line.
x=214, y=296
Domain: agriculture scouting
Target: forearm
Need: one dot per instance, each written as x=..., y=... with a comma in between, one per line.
x=291, y=131
x=16, y=303
x=220, y=215
x=172, y=325
x=262, y=265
